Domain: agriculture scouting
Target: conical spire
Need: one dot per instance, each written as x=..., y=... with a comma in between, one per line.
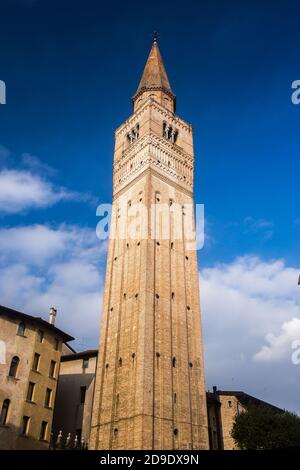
x=154, y=76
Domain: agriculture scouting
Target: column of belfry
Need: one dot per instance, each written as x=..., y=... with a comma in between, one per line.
x=150, y=387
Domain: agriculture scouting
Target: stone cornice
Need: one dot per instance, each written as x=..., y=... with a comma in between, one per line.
x=150, y=102
x=154, y=139
x=151, y=151
x=178, y=121
x=153, y=88
x=154, y=173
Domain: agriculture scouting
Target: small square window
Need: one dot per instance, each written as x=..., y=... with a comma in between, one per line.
x=25, y=425
x=21, y=329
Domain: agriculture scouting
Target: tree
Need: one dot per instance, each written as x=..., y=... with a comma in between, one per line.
x=265, y=428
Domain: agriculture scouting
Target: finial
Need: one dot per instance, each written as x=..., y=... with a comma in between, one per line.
x=155, y=36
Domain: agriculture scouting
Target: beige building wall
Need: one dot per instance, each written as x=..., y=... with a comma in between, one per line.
x=150, y=388
x=230, y=407
x=72, y=414
x=222, y=408
x=15, y=388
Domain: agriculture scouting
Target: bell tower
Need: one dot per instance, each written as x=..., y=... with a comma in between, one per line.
x=150, y=386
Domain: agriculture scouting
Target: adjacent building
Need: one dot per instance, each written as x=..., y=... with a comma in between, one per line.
x=222, y=409
x=30, y=352
x=75, y=392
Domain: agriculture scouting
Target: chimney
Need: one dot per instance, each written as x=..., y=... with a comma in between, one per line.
x=52, y=315
x=215, y=389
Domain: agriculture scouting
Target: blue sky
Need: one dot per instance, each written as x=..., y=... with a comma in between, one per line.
x=70, y=70
x=72, y=67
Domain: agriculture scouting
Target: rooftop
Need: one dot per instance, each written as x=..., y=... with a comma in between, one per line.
x=243, y=397
x=80, y=355
x=15, y=314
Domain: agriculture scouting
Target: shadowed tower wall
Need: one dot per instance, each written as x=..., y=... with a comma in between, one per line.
x=150, y=387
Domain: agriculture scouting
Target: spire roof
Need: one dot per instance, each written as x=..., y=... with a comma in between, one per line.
x=154, y=75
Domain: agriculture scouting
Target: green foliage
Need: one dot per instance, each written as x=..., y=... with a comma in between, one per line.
x=263, y=428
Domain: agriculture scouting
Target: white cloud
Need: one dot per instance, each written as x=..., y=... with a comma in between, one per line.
x=280, y=346
x=244, y=302
x=26, y=182
x=36, y=165
x=21, y=190
x=37, y=244
x=43, y=266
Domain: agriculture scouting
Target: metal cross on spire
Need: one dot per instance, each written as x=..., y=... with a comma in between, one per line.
x=155, y=36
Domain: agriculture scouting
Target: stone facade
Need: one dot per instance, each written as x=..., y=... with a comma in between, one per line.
x=27, y=390
x=150, y=388
x=230, y=407
x=74, y=397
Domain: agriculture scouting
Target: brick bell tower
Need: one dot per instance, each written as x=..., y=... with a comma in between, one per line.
x=150, y=387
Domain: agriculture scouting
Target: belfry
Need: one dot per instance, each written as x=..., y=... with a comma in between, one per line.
x=150, y=385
